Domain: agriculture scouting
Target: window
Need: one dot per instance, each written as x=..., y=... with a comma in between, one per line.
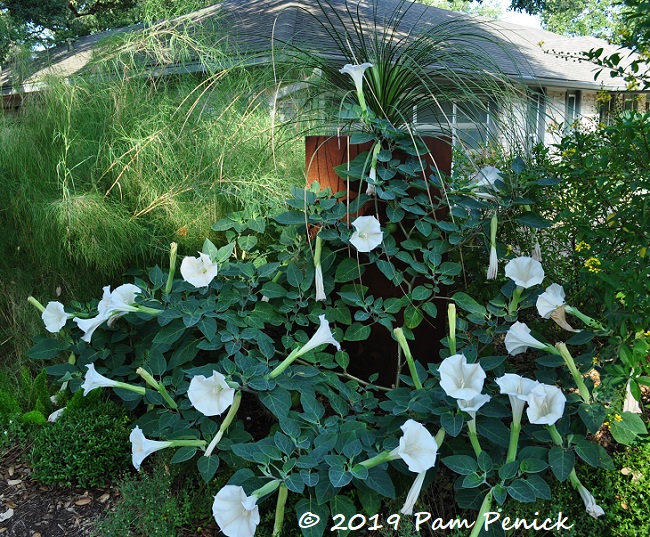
x=469, y=124
x=536, y=118
x=572, y=106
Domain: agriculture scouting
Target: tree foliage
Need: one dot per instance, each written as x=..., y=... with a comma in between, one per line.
x=43, y=23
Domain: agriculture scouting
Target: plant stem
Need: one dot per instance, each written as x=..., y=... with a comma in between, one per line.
x=232, y=412
x=516, y=296
x=515, y=429
x=485, y=508
x=279, y=510
x=575, y=373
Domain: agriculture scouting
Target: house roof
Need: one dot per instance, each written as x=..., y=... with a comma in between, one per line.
x=532, y=56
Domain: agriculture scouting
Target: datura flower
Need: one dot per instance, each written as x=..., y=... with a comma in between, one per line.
x=471, y=406
x=123, y=300
x=88, y=326
x=493, y=268
x=199, y=271
x=356, y=72
x=320, y=286
x=545, y=404
x=518, y=339
x=525, y=271
x=484, y=180
x=371, y=189
x=517, y=388
x=630, y=404
x=459, y=379
x=322, y=336
x=413, y=494
x=550, y=300
x=210, y=396
x=236, y=513
x=368, y=234
x=55, y=317
x=142, y=447
x=592, y=508
x=417, y=447
x=94, y=380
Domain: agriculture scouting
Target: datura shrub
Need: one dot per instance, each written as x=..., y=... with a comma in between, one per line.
x=279, y=324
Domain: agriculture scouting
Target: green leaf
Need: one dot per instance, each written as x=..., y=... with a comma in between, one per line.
x=532, y=466
x=183, y=354
x=46, y=349
x=500, y=493
x=277, y=401
x=534, y=220
x=540, y=487
x=467, y=303
x=582, y=337
x=247, y=242
x=592, y=416
x=509, y=470
x=357, y=332
x=208, y=466
x=488, y=363
x=308, y=510
x=170, y=333
x=349, y=269
x=184, y=454
x=291, y=218
x=485, y=462
x=521, y=491
x=421, y=293
x=325, y=491
x=379, y=481
x=430, y=309
x=258, y=225
x=627, y=430
x=594, y=454
x=473, y=480
x=452, y=424
x=339, y=477
x=412, y=317
x=561, y=461
x=223, y=254
x=449, y=268
x=344, y=506
x=388, y=269
x=461, y=464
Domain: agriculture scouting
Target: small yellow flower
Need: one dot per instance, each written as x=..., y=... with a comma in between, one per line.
x=618, y=417
x=646, y=333
x=593, y=264
x=595, y=360
x=582, y=245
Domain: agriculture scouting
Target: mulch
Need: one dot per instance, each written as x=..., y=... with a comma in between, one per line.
x=29, y=509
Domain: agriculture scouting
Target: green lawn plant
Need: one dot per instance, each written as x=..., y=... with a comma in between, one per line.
x=268, y=327
x=101, y=175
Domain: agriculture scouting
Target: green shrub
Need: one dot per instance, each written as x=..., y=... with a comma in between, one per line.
x=87, y=446
x=159, y=502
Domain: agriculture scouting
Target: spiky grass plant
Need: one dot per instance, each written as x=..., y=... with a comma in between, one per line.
x=100, y=176
x=418, y=66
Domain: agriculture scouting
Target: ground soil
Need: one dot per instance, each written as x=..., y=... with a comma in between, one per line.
x=29, y=509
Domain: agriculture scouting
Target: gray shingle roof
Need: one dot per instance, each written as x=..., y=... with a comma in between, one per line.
x=536, y=57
